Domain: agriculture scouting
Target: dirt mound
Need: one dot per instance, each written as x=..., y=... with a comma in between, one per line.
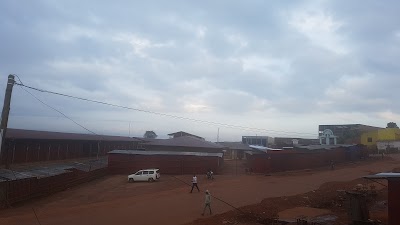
x=329, y=197
x=302, y=212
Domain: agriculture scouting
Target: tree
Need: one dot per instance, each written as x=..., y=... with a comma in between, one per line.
x=392, y=125
x=150, y=134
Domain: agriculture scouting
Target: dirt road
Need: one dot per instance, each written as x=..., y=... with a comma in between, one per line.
x=112, y=200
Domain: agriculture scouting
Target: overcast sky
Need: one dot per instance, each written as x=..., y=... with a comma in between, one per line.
x=282, y=66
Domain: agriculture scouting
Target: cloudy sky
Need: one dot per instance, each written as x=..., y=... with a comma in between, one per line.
x=281, y=66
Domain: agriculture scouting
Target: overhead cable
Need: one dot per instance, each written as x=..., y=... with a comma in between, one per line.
x=161, y=114
x=69, y=118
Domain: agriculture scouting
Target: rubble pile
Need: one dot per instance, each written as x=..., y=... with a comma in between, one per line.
x=331, y=196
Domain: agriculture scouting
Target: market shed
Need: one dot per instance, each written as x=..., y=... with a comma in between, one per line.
x=169, y=162
x=26, y=146
x=266, y=160
x=183, y=144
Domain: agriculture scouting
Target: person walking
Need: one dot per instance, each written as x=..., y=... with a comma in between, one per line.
x=194, y=183
x=207, y=202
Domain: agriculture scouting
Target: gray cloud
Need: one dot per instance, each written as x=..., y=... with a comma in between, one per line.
x=284, y=66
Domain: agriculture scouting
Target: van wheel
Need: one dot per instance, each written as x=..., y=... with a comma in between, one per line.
x=151, y=179
x=131, y=180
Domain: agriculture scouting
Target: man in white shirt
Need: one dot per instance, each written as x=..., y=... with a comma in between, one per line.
x=194, y=183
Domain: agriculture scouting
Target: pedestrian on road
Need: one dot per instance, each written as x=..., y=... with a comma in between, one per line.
x=194, y=183
x=207, y=202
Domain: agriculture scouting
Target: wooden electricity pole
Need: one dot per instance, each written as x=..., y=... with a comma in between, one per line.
x=4, y=119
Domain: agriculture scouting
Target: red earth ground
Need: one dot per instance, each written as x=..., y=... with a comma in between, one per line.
x=326, y=200
x=112, y=200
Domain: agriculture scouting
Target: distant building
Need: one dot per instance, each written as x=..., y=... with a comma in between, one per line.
x=256, y=140
x=280, y=142
x=182, y=134
x=150, y=134
x=388, y=146
x=347, y=133
x=169, y=162
x=234, y=150
x=327, y=138
x=371, y=138
x=183, y=144
x=302, y=157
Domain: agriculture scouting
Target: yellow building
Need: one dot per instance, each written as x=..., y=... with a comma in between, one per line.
x=387, y=134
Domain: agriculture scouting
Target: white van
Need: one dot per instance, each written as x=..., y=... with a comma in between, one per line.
x=149, y=175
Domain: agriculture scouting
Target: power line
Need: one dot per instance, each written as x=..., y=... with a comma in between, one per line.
x=18, y=79
x=79, y=118
x=37, y=218
x=161, y=114
x=58, y=111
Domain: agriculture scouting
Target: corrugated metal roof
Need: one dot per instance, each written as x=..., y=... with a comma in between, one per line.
x=383, y=176
x=48, y=135
x=137, y=152
x=317, y=147
x=288, y=141
x=254, y=153
x=148, y=139
x=262, y=148
x=235, y=145
x=50, y=170
x=185, y=141
x=183, y=133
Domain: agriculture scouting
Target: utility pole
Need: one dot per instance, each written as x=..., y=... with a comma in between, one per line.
x=4, y=118
x=218, y=135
